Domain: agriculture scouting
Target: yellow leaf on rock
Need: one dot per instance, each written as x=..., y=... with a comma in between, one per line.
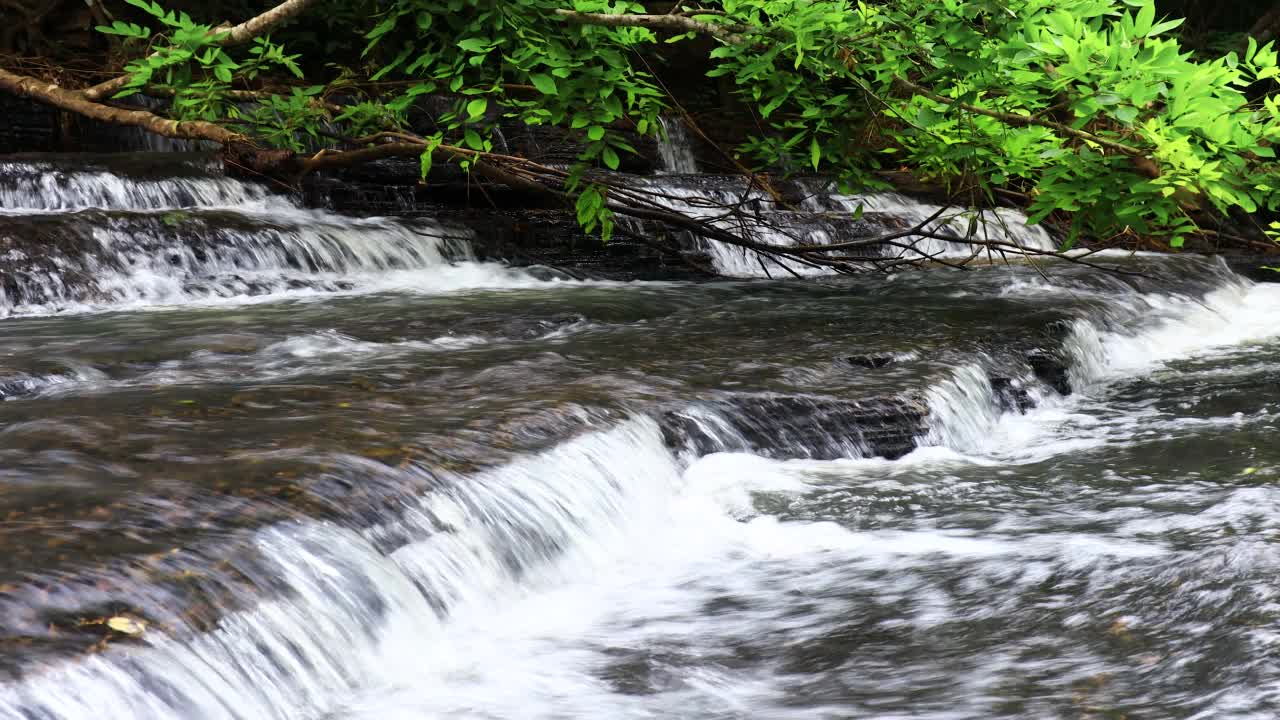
x=127, y=625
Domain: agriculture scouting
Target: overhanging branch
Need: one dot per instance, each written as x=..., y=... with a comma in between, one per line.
x=76, y=102
x=671, y=23
x=235, y=35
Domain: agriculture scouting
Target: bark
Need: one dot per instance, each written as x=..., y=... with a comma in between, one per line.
x=236, y=35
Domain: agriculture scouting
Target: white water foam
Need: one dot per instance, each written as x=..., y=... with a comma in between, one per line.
x=1141, y=334
x=26, y=188
x=117, y=269
x=350, y=617
x=509, y=606
x=208, y=240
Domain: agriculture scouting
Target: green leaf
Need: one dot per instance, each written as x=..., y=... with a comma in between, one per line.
x=595, y=133
x=815, y=152
x=424, y=163
x=1164, y=27
x=588, y=206
x=1146, y=16
x=119, y=27
x=476, y=108
x=544, y=83
x=475, y=45
x=610, y=158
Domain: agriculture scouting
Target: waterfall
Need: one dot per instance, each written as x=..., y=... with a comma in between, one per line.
x=47, y=188
x=78, y=239
x=349, y=614
x=674, y=148
x=1136, y=333
x=319, y=477
x=489, y=595
x=643, y=551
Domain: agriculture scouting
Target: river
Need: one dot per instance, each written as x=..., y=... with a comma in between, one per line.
x=338, y=468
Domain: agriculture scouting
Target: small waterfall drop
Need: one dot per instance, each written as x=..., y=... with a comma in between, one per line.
x=77, y=239
x=1135, y=333
x=42, y=187
x=674, y=148
x=358, y=610
x=1004, y=225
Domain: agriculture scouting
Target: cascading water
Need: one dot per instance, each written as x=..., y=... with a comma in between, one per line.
x=78, y=239
x=939, y=495
x=675, y=150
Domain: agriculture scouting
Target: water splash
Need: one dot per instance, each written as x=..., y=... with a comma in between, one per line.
x=1136, y=333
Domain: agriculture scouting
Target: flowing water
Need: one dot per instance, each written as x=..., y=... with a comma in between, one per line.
x=337, y=468
x=676, y=152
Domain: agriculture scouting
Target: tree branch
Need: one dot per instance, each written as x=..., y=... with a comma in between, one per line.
x=76, y=102
x=672, y=23
x=235, y=35
x=1022, y=120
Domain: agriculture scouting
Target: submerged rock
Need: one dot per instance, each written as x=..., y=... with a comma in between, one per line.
x=797, y=426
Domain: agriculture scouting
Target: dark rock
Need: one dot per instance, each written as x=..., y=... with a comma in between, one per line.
x=28, y=126
x=1010, y=395
x=798, y=426
x=1050, y=369
x=871, y=362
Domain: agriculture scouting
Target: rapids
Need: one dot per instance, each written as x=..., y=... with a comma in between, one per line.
x=341, y=469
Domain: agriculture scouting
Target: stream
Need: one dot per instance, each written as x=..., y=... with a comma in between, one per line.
x=340, y=468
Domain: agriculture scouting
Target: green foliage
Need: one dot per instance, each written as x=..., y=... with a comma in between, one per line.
x=516, y=60
x=1090, y=107
x=188, y=60
x=1033, y=94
